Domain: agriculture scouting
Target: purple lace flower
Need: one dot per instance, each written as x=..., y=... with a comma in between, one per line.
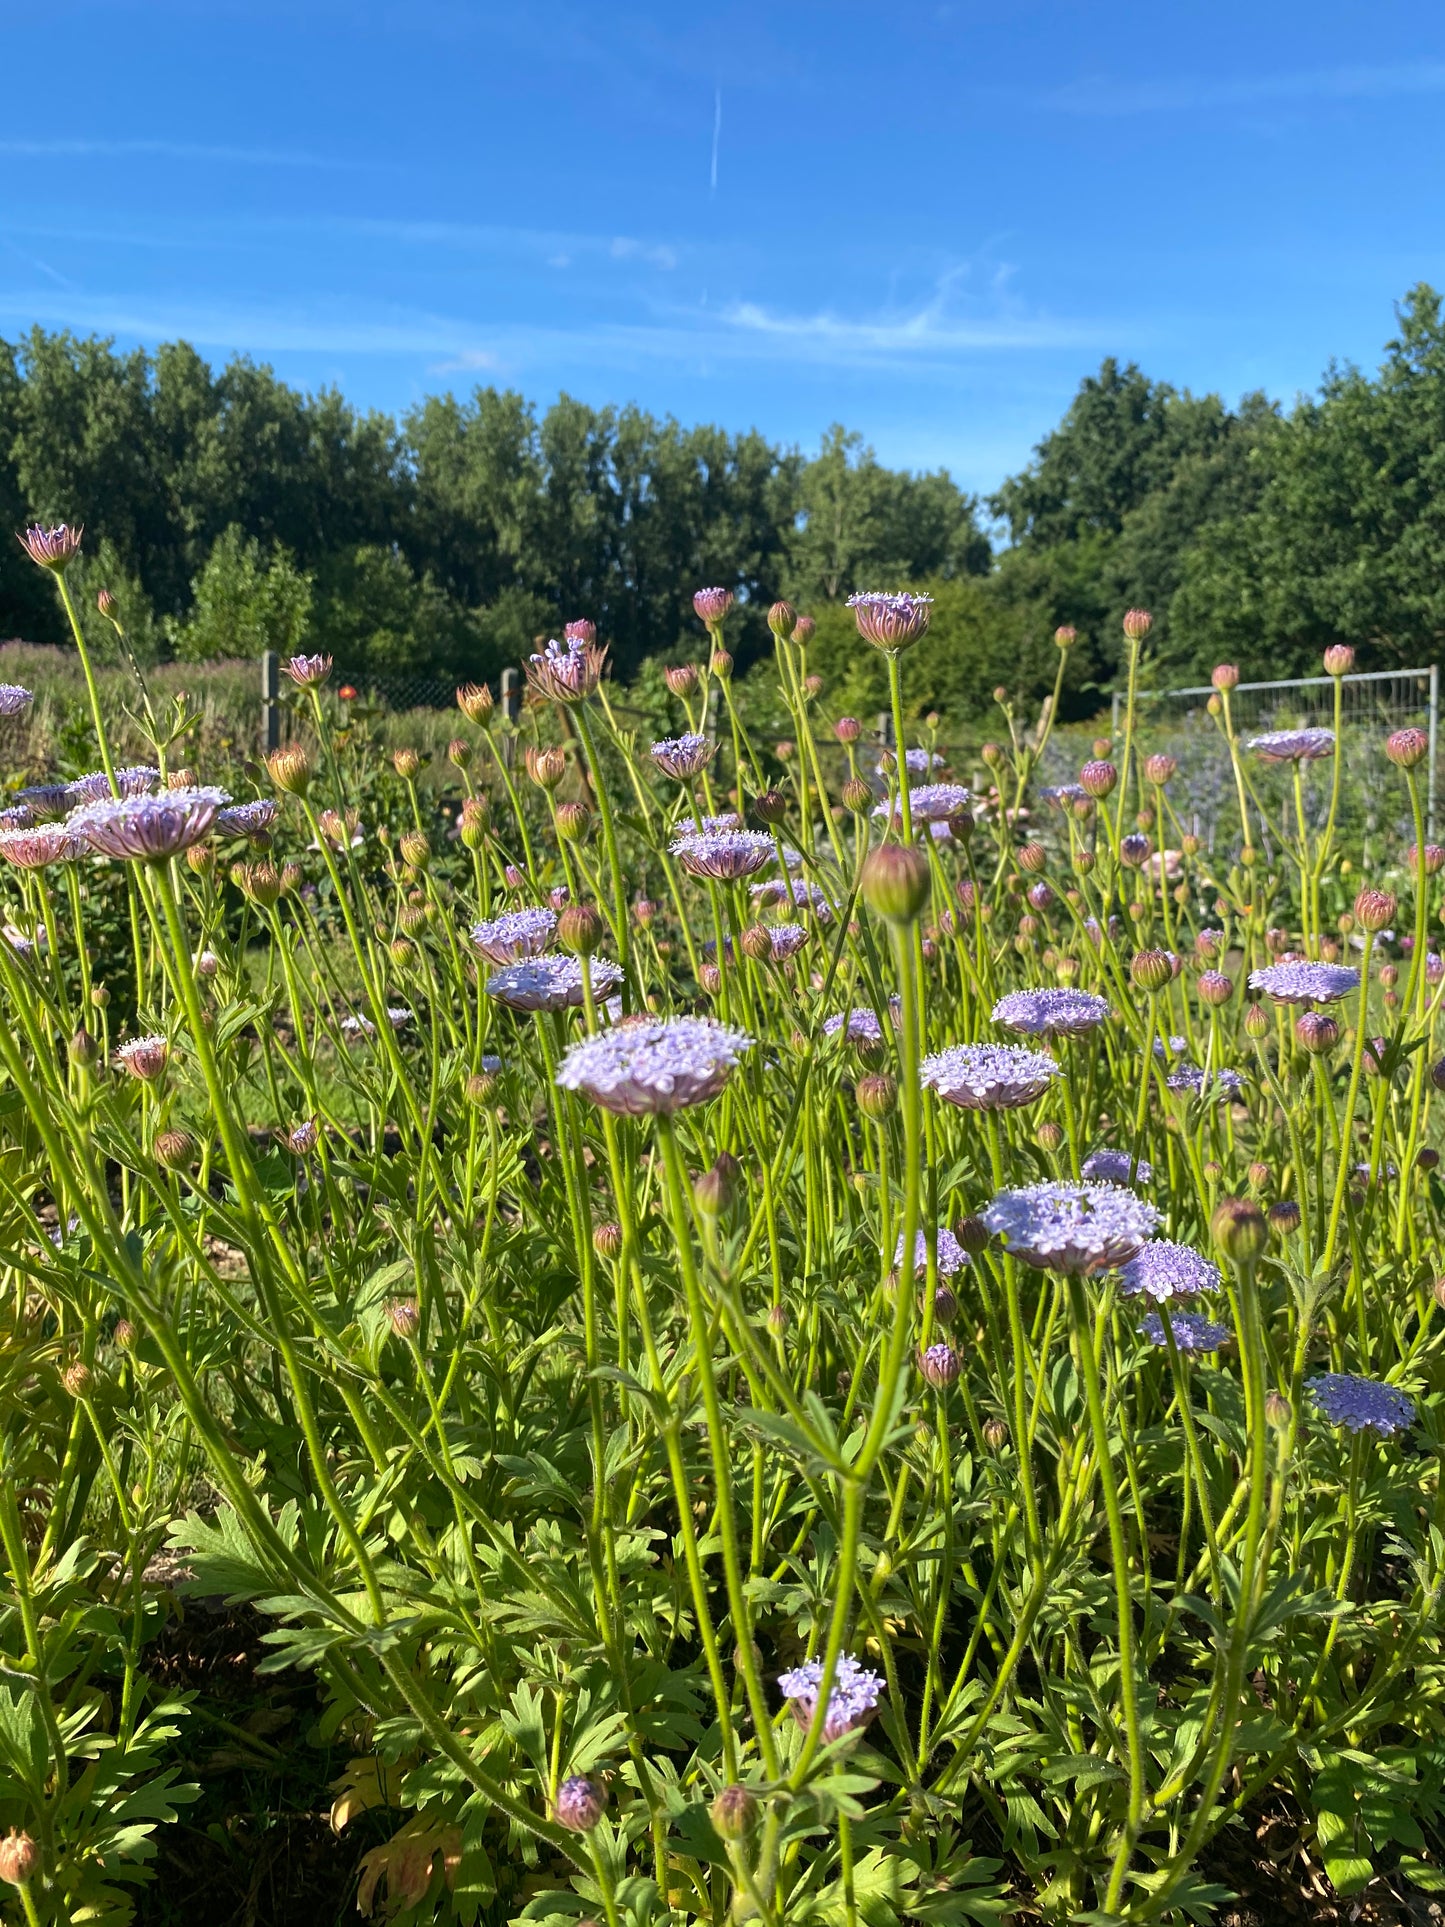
x=1051, y=1013
x=649, y=1069
x=1167, y=1047
x=988, y=1077
x=1300, y=982
x=929, y=802
x=552, y=982
x=683, y=757
x=515, y=934
x=1293, y=745
x=1160, y=1270
x=851, y=1704
x=862, y=1025
x=794, y=890
x=951, y=1255
x=308, y=672
x=565, y=672
x=1192, y=1332
x=890, y=621
x=46, y=843
x=1105, y=1166
x=18, y=816
x=14, y=699
x=1071, y=1227
x=1362, y=1404
x=709, y=826
x=787, y=939
x=48, y=799
x=724, y=855
x=148, y=827
x=918, y=762
x=138, y=780
x=1062, y=793
x=1219, y=1085
x=248, y=819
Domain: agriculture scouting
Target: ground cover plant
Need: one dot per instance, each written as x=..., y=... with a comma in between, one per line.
x=787, y=1341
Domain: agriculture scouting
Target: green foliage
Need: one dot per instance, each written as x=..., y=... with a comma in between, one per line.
x=242, y=603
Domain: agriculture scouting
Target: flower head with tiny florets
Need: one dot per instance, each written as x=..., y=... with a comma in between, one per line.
x=1302, y=982
x=794, y=890
x=552, y=982
x=1362, y=1404
x=138, y=780
x=861, y=1023
x=515, y=934
x=248, y=819
x=929, y=803
x=645, y=1069
x=786, y=940
x=683, y=757
x=148, y=827
x=1050, y=1012
x=951, y=1255
x=53, y=548
x=1106, y=1166
x=851, y=1704
x=1161, y=1270
x=565, y=672
x=14, y=699
x=1192, y=1332
x=1219, y=1084
x=308, y=672
x=1071, y=1227
x=890, y=621
x=709, y=826
x=31, y=849
x=1293, y=745
x=724, y=855
x=988, y=1077
x=144, y=1057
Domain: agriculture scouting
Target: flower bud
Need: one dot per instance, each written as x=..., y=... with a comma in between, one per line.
x=992, y=755
x=710, y=978
x=580, y=1803
x=459, y=753
x=1135, y=850
x=782, y=619
x=1065, y=636
x=995, y=1434
x=847, y=729
x=1256, y=1021
x=771, y=806
x=945, y=1305
x=721, y=665
x=474, y=700
x=939, y=1366
x=479, y=1088
x=1259, y=1176
x=404, y=1317
x=1277, y=1411
x=546, y=767
x=1098, y=779
x=1049, y=1135
x=778, y=1320
x=1339, y=659
x=1032, y=857
x=1427, y=1159
x=1407, y=747
x=1224, y=675
x=895, y=883
x=803, y=631
x=1375, y=910
x=579, y=929
x=972, y=1234
x=734, y=1812
x=1040, y=895
x=1190, y=845
x=1239, y=1229
x=406, y=762
x=681, y=678
x=717, y=1187
x=1317, y=1031
x=1137, y=624
x=124, y=1335
x=1151, y=970
x=1284, y=1218
x=77, y=1378
x=857, y=796
x=174, y=1150
x=876, y=1095
x=290, y=769
x=1214, y=988
x=757, y=943
x=19, y=1857
x=607, y=1240
x=1159, y=769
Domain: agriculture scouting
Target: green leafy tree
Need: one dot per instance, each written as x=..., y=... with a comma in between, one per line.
x=243, y=602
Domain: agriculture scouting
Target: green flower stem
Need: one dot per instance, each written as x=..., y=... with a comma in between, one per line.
x=621, y=931
x=1347, y=1127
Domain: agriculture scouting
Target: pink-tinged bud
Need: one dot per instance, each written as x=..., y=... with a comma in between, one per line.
x=77, y=1378
x=581, y=630
x=782, y=619
x=1214, y=988
x=1433, y=858
x=804, y=629
x=1239, y=1229
x=1317, y=1032
x=1135, y=849
x=1065, y=636
x=1050, y=1135
x=404, y=1317
x=778, y=1321
x=770, y=806
x=1040, y=895
x=847, y=729
x=1375, y=910
x=19, y=1857
x=812, y=687
x=1098, y=779
x=1284, y=1218
x=515, y=879
x=721, y=665
x=995, y=1434
x=1256, y=1021
x=857, y=796
x=1032, y=857
x=1159, y=768
x=106, y=603
x=734, y=1813
x=712, y=605
x=1259, y=1176
x=1151, y=970
x=876, y=1095
x=1277, y=1410
x=290, y=769
x=406, y=762
x=681, y=677
x=414, y=849
x=1389, y=976
x=474, y=700
x=644, y=911
x=546, y=767
x=572, y=821
x=972, y=1234
x=1137, y=624
x=174, y=1150
x=945, y=1306
x=710, y=978
x=1224, y=675
x=607, y=1240
x=579, y=929
x=1407, y=747
x=895, y=883
x=939, y=1366
x=1339, y=659
x=580, y=1803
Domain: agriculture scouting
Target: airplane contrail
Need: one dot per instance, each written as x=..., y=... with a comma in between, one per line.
x=716, y=136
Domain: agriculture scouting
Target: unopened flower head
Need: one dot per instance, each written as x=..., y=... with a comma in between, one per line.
x=138, y=780
x=565, y=672
x=1302, y=982
x=580, y=1803
x=712, y=605
x=851, y=1704
x=1106, y=1166
x=1293, y=745
x=1192, y=1332
x=255, y=818
x=1362, y=1404
x=929, y=802
x=1161, y=1270
x=13, y=699
x=654, y=1069
x=890, y=621
x=552, y=982
x=148, y=827
x=1071, y=1227
x=683, y=757
x=988, y=1077
x=515, y=934
x=308, y=672
x=303, y=1139
x=724, y=855
x=144, y=1057
x=1051, y=1012
x=951, y=1255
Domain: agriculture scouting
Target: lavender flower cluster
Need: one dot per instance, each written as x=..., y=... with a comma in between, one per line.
x=654, y=1069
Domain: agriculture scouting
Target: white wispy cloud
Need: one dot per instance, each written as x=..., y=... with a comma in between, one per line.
x=1109, y=96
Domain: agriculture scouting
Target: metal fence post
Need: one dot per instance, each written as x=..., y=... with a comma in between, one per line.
x=270, y=701
x=1434, y=738
x=885, y=728
x=509, y=713
x=1114, y=715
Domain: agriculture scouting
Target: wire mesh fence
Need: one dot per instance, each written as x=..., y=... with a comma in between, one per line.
x=1373, y=704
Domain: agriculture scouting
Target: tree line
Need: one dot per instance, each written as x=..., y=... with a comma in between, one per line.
x=229, y=513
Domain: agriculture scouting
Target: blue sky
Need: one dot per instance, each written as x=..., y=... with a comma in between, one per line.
x=926, y=220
